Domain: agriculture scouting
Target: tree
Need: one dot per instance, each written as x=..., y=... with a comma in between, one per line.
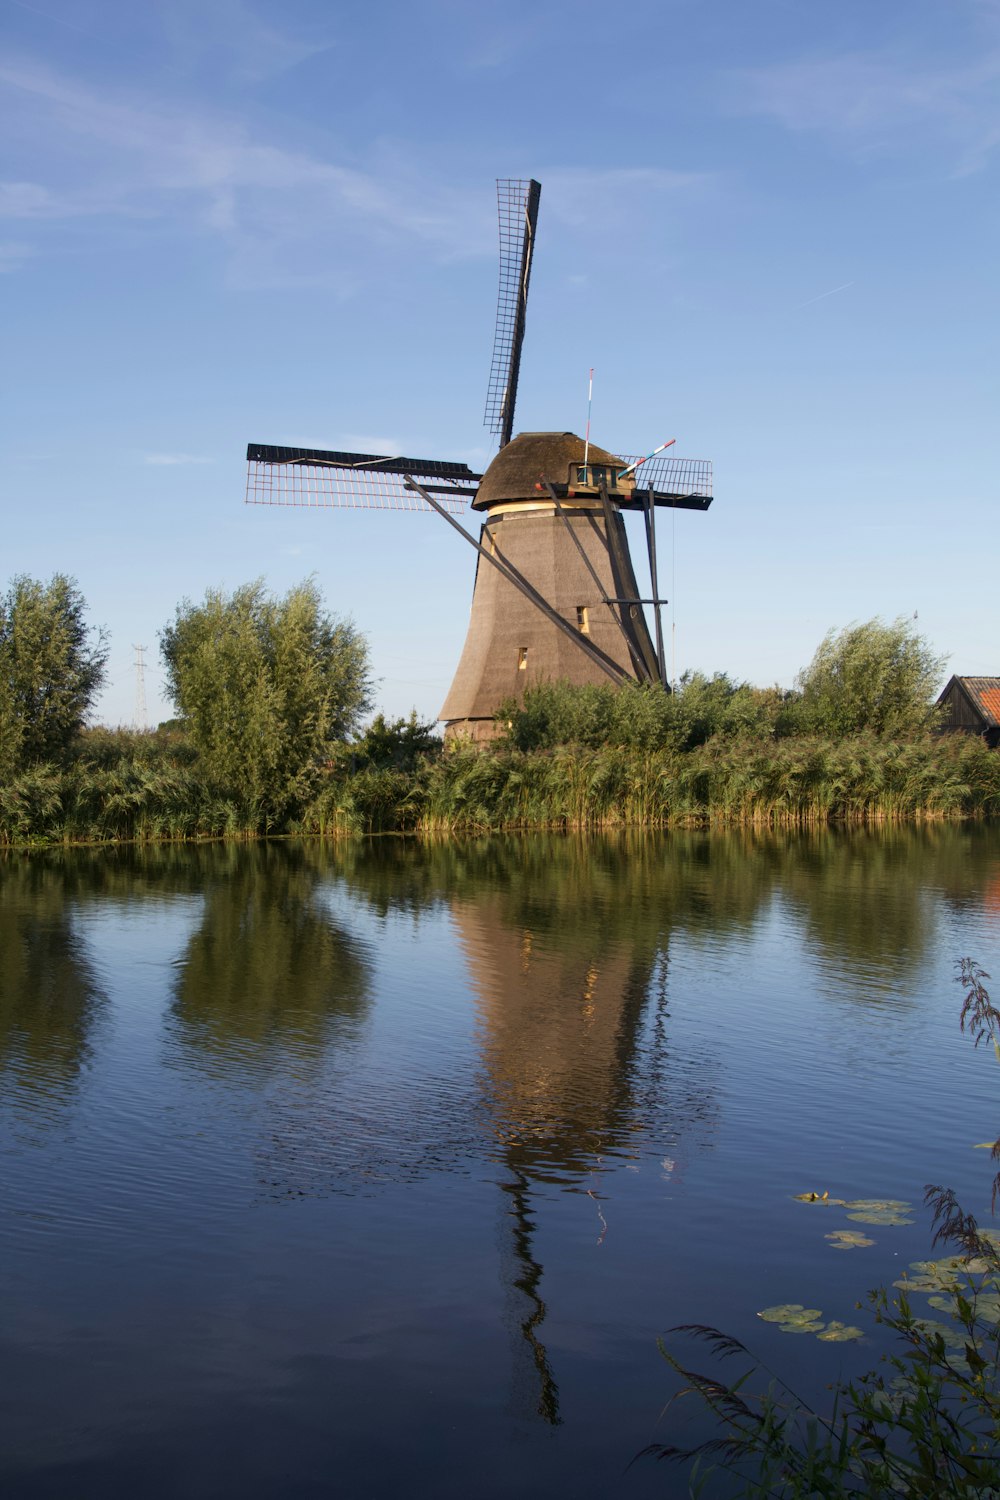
x=52, y=666
x=396, y=744
x=266, y=688
x=873, y=678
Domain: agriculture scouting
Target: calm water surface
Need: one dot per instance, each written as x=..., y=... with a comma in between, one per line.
x=378, y=1170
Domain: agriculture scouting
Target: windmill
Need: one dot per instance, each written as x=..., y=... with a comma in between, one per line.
x=555, y=592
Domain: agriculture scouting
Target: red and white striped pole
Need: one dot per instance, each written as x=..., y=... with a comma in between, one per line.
x=668, y=444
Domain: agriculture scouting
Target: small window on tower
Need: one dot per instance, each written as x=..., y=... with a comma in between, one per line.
x=582, y=619
x=522, y=659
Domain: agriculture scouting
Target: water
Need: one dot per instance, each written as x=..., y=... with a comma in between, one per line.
x=379, y=1169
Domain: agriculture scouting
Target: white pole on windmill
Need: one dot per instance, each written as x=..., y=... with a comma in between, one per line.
x=586, y=440
x=140, y=687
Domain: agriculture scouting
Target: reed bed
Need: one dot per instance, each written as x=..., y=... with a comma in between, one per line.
x=726, y=782
x=141, y=792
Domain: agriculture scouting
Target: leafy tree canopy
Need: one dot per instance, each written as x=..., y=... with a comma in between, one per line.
x=396, y=744
x=52, y=666
x=873, y=678
x=267, y=687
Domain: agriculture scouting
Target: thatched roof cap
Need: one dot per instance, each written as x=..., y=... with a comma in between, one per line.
x=517, y=468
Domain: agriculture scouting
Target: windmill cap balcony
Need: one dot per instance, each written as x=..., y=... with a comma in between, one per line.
x=519, y=467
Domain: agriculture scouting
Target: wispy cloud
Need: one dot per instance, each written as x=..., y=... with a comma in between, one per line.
x=29, y=200
x=13, y=255
x=571, y=193
x=47, y=15
x=366, y=442
x=231, y=36
x=119, y=156
x=164, y=460
x=285, y=214
x=876, y=102
x=823, y=296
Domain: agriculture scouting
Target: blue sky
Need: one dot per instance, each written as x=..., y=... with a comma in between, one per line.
x=771, y=226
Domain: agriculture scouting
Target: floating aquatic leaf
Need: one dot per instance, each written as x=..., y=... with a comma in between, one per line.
x=800, y=1327
x=976, y=1265
x=951, y=1335
x=848, y=1239
x=943, y=1272
x=840, y=1333
x=880, y=1216
x=951, y=1269
x=988, y=1307
x=790, y=1312
x=943, y=1304
x=923, y=1283
x=984, y=1146
x=879, y=1205
x=823, y=1199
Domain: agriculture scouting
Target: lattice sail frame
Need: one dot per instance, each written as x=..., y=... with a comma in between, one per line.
x=353, y=481
x=365, y=481
x=517, y=213
x=688, y=477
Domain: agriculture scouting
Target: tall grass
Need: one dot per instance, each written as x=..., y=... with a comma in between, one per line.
x=138, y=788
x=735, y=782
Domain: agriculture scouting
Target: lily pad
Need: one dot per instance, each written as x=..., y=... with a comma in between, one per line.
x=879, y=1205
x=822, y=1199
x=881, y=1216
x=949, y=1334
x=921, y=1284
x=976, y=1265
x=848, y=1239
x=840, y=1333
x=988, y=1307
x=790, y=1312
x=950, y=1270
x=801, y=1327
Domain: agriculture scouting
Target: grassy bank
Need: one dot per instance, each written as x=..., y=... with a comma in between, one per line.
x=145, y=788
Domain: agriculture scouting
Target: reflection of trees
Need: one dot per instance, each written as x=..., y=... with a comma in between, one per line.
x=966, y=866
x=268, y=963
x=48, y=989
x=866, y=896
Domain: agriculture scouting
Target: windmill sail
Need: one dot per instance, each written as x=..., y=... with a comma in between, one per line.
x=356, y=481
x=517, y=207
x=683, y=483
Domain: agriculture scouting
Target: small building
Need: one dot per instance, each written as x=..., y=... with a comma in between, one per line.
x=972, y=706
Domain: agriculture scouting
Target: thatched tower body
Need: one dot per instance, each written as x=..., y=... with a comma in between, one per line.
x=574, y=553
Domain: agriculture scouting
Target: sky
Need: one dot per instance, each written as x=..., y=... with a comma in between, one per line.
x=769, y=226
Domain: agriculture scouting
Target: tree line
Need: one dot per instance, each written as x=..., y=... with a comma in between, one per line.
x=270, y=696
